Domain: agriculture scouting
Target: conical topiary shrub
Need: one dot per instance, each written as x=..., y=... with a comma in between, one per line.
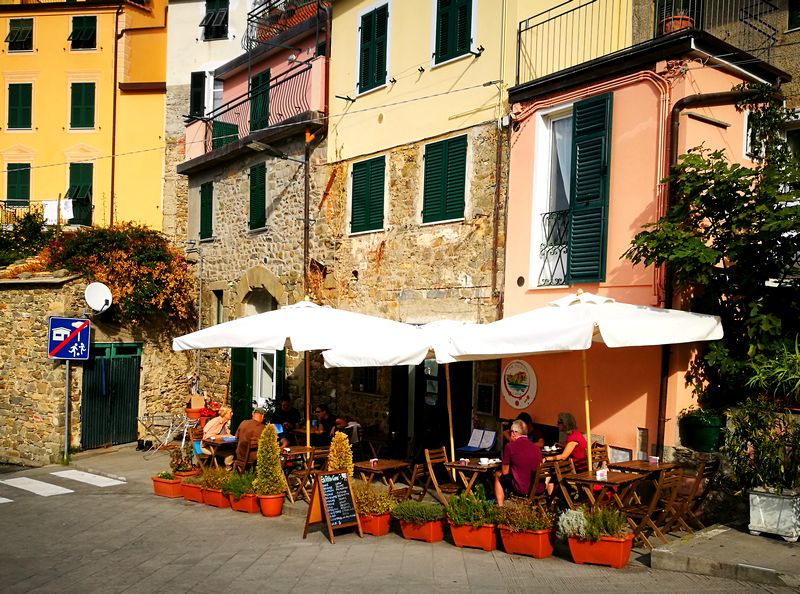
x=340, y=456
x=269, y=474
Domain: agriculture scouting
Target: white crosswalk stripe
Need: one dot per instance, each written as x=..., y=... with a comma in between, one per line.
x=37, y=487
x=87, y=477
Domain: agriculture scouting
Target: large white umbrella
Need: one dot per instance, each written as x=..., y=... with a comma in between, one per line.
x=586, y=318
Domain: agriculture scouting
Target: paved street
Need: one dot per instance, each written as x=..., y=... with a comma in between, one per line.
x=121, y=538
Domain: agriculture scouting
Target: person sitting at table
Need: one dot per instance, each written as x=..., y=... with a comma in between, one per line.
x=326, y=426
x=534, y=435
x=521, y=458
x=249, y=430
x=286, y=415
x=574, y=443
x=219, y=426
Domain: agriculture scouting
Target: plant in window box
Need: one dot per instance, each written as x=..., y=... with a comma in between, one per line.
x=373, y=508
x=525, y=529
x=420, y=521
x=239, y=489
x=181, y=461
x=701, y=429
x=166, y=485
x=596, y=536
x=213, y=479
x=270, y=482
x=472, y=520
x=192, y=488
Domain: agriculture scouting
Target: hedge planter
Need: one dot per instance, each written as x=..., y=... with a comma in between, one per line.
x=167, y=487
x=215, y=498
x=426, y=532
x=533, y=543
x=702, y=435
x=376, y=525
x=775, y=514
x=609, y=550
x=247, y=503
x=271, y=505
x=482, y=537
x=192, y=492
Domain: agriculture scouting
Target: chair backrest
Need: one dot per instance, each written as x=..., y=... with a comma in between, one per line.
x=568, y=492
x=435, y=456
x=599, y=455
x=320, y=460
x=246, y=453
x=704, y=482
x=544, y=471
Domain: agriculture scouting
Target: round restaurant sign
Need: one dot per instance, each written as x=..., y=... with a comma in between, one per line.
x=519, y=384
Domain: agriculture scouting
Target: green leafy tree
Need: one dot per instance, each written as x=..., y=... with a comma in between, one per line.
x=730, y=243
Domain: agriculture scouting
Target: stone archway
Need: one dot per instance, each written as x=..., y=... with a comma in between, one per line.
x=248, y=293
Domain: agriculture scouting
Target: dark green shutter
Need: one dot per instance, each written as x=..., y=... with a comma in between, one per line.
x=19, y=105
x=197, y=94
x=84, y=32
x=206, y=210
x=280, y=374
x=18, y=187
x=453, y=29
x=591, y=154
x=20, y=35
x=445, y=180
x=372, y=53
x=223, y=133
x=82, y=106
x=259, y=101
x=215, y=23
x=368, y=195
x=80, y=191
x=241, y=393
x=258, y=196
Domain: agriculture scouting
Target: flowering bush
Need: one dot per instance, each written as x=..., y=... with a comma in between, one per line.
x=207, y=412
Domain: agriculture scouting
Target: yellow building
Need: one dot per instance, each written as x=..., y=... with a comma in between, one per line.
x=83, y=110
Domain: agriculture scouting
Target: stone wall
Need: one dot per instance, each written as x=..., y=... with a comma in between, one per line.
x=175, y=185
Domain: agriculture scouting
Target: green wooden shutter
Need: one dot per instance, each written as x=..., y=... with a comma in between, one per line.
x=372, y=51
x=20, y=35
x=223, y=133
x=445, y=180
x=197, y=94
x=367, y=195
x=455, y=177
x=19, y=105
x=259, y=100
x=453, y=29
x=591, y=154
x=18, y=184
x=82, y=105
x=258, y=196
x=433, y=192
x=206, y=210
x=241, y=392
x=80, y=192
x=84, y=32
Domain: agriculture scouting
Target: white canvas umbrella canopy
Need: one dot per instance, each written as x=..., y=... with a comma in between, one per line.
x=586, y=318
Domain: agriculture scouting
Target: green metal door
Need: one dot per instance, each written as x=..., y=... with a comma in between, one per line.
x=110, y=395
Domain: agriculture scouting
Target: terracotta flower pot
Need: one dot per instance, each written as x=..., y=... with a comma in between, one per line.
x=193, y=413
x=533, y=543
x=182, y=474
x=167, y=487
x=426, y=532
x=247, y=503
x=376, y=525
x=674, y=23
x=482, y=537
x=192, y=492
x=609, y=550
x=271, y=505
x=215, y=498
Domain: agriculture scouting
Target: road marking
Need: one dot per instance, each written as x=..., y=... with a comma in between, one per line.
x=38, y=487
x=4, y=500
x=86, y=477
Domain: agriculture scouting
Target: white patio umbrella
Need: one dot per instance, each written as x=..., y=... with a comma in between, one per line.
x=303, y=326
x=586, y=318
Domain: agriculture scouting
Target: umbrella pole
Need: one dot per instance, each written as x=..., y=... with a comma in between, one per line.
x=586, y=405
x=449, y=412
x=307, y=365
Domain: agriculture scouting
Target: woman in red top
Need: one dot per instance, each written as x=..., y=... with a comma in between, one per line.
x=574, y=444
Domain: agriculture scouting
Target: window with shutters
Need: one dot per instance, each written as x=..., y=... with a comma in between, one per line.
x=373, y=36
x=569, y=237
x=84, y=33
x=215, y=21
x=18, y=184
x=445, y=180
x=81, y=180
x=197, y=94
x=82, y=105
x=20, y=35
x=367, y=192
x=258, y=196
x=19, y=106
x=453, y=29
x=206, y=210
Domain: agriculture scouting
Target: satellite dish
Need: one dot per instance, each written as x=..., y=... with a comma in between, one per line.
x=98, y=296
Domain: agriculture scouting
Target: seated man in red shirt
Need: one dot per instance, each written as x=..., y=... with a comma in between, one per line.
x=521, y=458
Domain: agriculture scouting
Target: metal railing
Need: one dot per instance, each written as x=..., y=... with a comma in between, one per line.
x=271, y=18
x=577, y=31
x=285, y=98
x=13, y=210
x=554, y=248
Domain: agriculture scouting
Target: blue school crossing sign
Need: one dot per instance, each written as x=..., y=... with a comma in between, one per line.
x=68, y=338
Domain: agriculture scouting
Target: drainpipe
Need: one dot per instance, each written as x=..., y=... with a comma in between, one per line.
x=117, y=36
x=497, y=294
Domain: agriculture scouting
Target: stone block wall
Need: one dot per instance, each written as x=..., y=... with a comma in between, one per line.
x=175, y=191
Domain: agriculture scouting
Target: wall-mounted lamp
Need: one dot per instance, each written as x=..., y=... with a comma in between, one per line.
x=421, y=69
x=345, y=98
x=477, y=52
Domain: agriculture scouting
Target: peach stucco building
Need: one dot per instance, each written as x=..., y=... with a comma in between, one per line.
x=589, y=147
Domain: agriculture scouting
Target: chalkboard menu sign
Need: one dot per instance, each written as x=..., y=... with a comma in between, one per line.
x=332, y=503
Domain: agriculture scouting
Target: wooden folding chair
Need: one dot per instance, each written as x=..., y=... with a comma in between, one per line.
x=568, y=492
x=196, y=436
x=686, y=509
x=600, y=455
x=320, y=461
x=435, y=459
x=299, y=479
x=246, y=454
x=538, y=495
x=648, y=517
x=417, y=486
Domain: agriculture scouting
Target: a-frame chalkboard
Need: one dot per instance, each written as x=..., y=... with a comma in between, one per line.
x=332, y=503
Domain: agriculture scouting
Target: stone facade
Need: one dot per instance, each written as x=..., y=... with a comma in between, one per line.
x=175, y=185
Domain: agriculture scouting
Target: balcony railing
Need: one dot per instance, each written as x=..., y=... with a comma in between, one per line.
x=73, y=212
x=554, y=248
x=271, y=18
x=577, y=31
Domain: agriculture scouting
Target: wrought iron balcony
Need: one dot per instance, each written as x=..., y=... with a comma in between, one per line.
x=271, y=18
x=577, y=31
x=554, y=248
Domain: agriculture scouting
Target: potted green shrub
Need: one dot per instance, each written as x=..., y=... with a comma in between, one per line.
x=420, y=521
x=239, y=489
x=192, y=488
x=373, y=508
x=472, y=520
x=213, y=479
x=762, y=443
x=166, y=485
x=340, y=455
x=525, y=529
x=701, y=429
x=270, y=482
x=181, y=461
x=596, y=536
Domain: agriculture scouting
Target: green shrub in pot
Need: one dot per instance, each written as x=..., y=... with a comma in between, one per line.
x=416, y=512
x=521, y=515
x=472, y=508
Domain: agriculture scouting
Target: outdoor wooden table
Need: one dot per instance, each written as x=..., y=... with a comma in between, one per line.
x=470, y=471
x=389, y=470
x=641, y=466
x=218, y=446
x=618, y=488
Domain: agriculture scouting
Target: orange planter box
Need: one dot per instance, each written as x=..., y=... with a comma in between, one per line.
x=533, y=543
x=427, y=532
x=609, y=550
x=376, y=525
x=167, y=487
x=215, y=498
x=247, y=503
x=482, y=537
x=192, y=492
